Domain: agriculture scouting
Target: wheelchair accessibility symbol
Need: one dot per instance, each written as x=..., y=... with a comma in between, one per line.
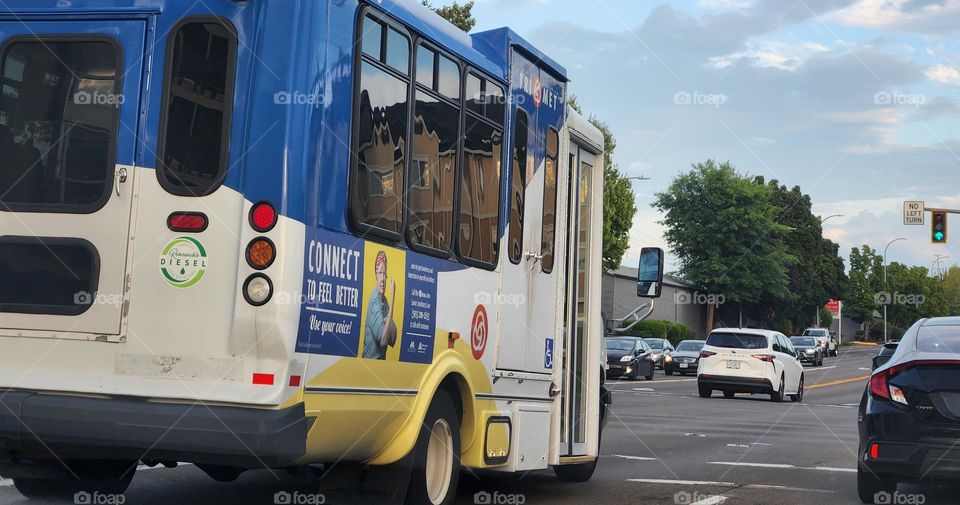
x=548, y=354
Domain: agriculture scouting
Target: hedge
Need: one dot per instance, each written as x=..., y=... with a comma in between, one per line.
x=674, y=332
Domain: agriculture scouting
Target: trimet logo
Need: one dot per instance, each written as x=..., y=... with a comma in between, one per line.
x=183, y=262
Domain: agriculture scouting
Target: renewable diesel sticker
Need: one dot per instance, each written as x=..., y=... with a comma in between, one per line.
x=183, y=262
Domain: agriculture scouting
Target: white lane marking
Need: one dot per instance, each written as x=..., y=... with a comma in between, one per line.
x=5, y=482
x=634, y=458
x=819, y=368
x=726, y=484
x=761, y=443
x=697, y=435
x=711, y=500
x=644, y=389
x=783, y=466
x=675, y=380
x=739, y=446
x=864, y=368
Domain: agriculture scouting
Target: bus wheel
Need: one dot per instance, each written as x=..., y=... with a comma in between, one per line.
x=436, y=467
x=580, y=472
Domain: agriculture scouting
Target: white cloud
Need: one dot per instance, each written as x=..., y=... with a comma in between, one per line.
x=777, y=55
x=943, y=74
x=724, y=4
x=900, y=14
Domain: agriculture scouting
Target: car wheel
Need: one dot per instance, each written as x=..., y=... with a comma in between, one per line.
x=668, y=371
x=636, y=373
x=872, y=488
x=436, y=468
x=729, y=394
x=799, y=396
x=650, y=377
x=705, y=392
x=778, y=396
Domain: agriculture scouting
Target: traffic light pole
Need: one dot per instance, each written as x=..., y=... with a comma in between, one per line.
x=948, y=211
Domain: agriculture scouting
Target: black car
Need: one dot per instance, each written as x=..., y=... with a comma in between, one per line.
x=629, y=357
x=808, y=350
x=910, y=413
x=685, y=359
x=886, y=352
x=661, y=349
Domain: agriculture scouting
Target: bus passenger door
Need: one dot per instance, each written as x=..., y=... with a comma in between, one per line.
x=580, y=360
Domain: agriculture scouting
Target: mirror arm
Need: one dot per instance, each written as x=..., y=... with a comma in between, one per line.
x=633, y=314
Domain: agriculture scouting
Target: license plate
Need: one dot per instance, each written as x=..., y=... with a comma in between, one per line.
x=735, y=365
x=684, y=365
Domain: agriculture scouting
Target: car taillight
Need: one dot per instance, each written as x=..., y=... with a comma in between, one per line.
x=263, y=217
x=874, y=451
x=765, y=357
x=880, y=386
x=707, y=354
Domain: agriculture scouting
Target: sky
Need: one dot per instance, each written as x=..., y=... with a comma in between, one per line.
x=855, y=101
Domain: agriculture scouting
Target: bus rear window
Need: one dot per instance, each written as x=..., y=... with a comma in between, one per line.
x=58, y=124
x=195, y=131
x=737, y=341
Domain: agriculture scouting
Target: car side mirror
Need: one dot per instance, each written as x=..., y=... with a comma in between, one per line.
x=650, y=273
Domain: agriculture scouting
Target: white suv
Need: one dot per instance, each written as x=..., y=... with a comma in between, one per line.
x=744, y=360
x=827, y=342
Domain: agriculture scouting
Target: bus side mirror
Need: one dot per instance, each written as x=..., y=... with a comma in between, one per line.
x=650, y=274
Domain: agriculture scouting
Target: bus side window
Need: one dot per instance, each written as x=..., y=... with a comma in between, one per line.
x=518, y=186
x=433, y=167
x=195, y=128
x=480, y=183
x=550, y=200
x=377, y=178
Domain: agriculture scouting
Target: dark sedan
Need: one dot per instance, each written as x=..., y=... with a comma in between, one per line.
x=909, y=418
x=685, y=359
x=808, y=350
x=629, y=357
x=661, y=349
x=886, y=352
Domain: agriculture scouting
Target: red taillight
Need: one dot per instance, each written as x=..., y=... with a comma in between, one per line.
x=765, y=357
x=263, y=217
x=707, y=354
x=294, y=381
x=874, y=451
x=880, y=381
x=191, y=222
x=878, y=385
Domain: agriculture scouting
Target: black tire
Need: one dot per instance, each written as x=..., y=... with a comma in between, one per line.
x=729, y=394
x=777, y=396
x=668, y=372
x=103, y=477
x=797, y=398
x=705, y=392
x=442, y=411
x=580, y=472
x=870, y=487
x=636, y=373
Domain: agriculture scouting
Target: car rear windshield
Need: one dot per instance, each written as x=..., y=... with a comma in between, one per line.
x=737, y=341
x=655, y=343
x=806, y=341
x=942, y=339
x=689, y=346
x=815, y=333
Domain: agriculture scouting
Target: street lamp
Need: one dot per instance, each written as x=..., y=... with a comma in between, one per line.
x=816, y=310
x=885, y=284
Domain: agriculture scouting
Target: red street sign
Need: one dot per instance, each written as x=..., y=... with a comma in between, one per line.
x=833, y=306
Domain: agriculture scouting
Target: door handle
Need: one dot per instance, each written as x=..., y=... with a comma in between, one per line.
x=530, y=255
x=121, y=177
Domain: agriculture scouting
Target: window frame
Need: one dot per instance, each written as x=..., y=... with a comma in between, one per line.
x=417, y=86
x=359, y=228
x=556, y=196
x=228, y=100
x=110, y=176
x=523, y=210
x=501, y=190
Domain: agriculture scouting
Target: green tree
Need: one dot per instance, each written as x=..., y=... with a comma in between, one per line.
x=461, y=15
x=951, y=286
x=722, y=227
x=619, y=200
x=862, y=302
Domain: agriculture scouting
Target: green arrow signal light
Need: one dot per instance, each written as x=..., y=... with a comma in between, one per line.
x=938, y=236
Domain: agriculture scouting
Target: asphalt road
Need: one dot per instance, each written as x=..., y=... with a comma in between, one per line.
x=663, y=445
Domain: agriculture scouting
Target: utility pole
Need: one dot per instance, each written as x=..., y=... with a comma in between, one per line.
x=885, y=286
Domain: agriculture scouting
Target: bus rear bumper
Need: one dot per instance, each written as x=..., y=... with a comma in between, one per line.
x=32, y=426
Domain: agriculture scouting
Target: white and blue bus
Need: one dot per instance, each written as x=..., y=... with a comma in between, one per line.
x=271, y=234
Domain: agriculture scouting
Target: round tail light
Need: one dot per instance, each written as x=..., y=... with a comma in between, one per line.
x=258, y=290
x=261, y=253
x=263, y=217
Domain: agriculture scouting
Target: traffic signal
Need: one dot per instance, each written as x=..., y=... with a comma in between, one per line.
x=938, y=229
